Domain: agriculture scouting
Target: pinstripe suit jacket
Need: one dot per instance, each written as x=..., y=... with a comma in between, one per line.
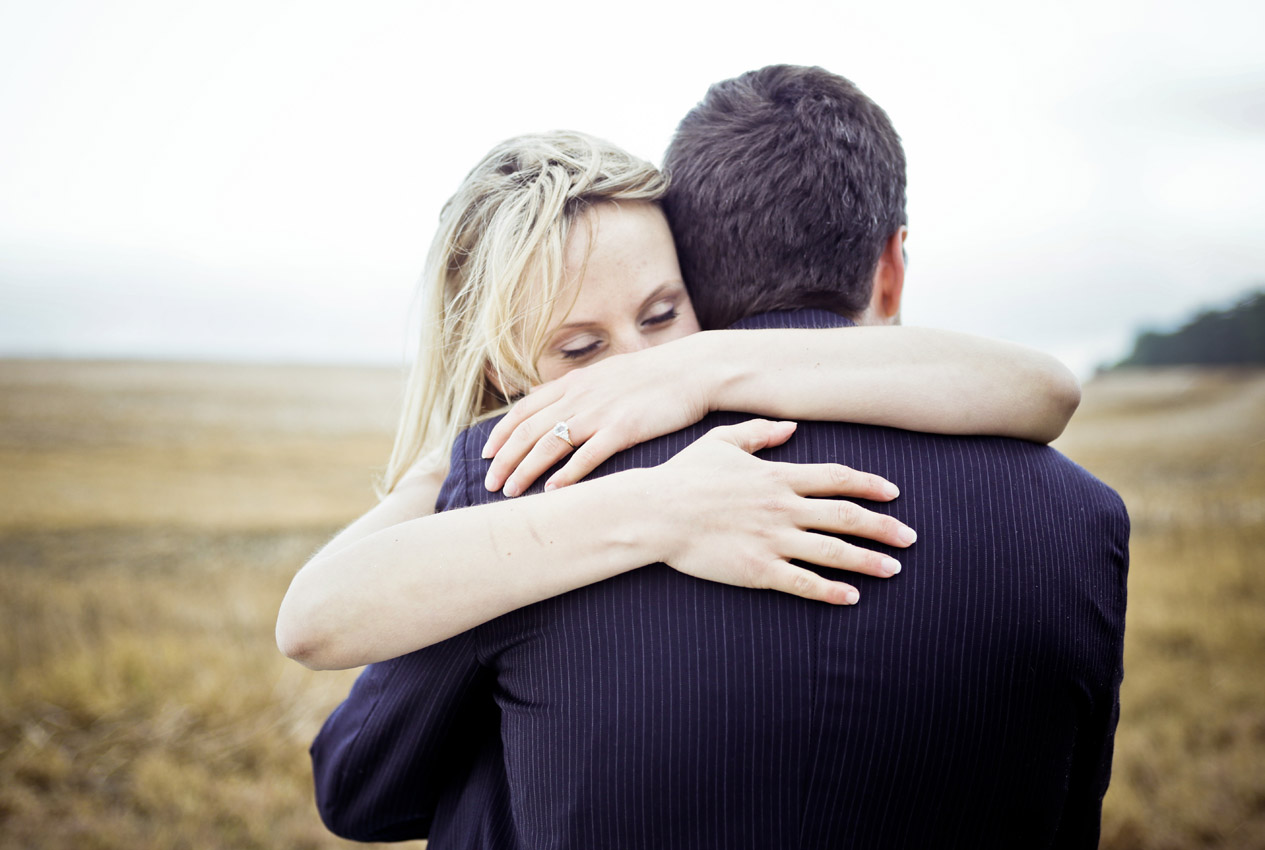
x=969, y=702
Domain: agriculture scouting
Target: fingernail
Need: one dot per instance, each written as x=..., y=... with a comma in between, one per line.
x=490, y=482
x=549, y=485
x=851, y=597
x=891, y=491
x=907, y=536
x=487, y=450
x=511, y=489
x=891, y=566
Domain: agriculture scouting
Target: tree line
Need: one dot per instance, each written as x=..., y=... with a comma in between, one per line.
x=1232, y=336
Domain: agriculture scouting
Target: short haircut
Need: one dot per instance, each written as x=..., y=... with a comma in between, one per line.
x=785, y=185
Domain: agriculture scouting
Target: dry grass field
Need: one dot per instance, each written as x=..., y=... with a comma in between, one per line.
x=154, y=513
x=1185, y=448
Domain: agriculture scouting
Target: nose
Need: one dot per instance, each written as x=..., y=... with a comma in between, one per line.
x=630, y=341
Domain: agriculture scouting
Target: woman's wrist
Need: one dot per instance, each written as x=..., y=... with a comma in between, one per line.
x=751, y=369
x=719, y=365
x=663, y=511
x=635, y=514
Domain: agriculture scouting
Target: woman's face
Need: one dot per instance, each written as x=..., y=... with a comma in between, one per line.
x=631, y=296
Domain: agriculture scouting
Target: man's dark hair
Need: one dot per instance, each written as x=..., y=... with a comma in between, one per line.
x=786, y=183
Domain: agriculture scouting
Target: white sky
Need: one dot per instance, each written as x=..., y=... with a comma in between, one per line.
x=259, y=180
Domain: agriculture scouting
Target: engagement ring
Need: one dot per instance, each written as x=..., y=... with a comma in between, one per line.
x=562, y=432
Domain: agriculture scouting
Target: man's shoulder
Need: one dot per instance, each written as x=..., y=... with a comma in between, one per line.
x=962, y=462
x=466, y=468
x=469, y=443
x=959, y=462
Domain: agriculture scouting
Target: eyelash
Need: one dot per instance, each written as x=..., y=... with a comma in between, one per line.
x=578, y=353
x=661, y=318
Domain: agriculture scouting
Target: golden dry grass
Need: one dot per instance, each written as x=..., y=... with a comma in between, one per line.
x=1186, y=450
x=154, y=514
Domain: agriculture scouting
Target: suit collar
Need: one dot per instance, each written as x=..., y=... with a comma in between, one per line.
x=809, y=317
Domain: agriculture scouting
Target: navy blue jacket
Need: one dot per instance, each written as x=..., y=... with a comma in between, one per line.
x=970, y=701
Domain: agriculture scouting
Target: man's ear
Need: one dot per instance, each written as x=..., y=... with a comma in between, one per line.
x=889, y=281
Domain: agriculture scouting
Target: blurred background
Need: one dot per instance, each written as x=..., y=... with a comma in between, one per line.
x=212, y=217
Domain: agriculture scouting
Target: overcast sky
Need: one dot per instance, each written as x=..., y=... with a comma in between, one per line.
x=260, y=180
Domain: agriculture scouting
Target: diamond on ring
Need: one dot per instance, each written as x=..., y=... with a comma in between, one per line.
x=562, y=432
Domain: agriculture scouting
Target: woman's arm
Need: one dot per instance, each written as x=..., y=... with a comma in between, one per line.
x=713, y=511
x=920, y=379
x=412, y=498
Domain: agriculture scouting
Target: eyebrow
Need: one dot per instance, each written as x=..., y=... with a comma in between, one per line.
x=659, y=292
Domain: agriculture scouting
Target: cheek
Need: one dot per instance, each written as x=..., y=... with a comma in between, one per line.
x=553, y=368
x=687, y=324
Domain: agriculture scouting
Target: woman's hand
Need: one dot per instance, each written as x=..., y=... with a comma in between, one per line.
x=740, y=520
x=609, y=406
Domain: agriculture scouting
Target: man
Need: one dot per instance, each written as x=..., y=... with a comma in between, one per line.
x=970, y=703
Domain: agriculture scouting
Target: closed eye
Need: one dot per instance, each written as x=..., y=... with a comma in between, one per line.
x=662, y=318
x=577, y=353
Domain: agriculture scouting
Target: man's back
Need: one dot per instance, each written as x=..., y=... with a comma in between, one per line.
x=969, y=701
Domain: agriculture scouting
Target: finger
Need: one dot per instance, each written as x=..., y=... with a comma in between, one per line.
x=841, y=517
x=826, y=551
x=754, y=434
x=548, y=451
x=529, y=434
x=588, y=457
x=539, y=398
x=798, y=581
x=834, y=479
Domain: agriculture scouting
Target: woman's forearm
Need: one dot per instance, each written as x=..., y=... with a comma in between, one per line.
x=919, y=379
x=712, y=511
x=426, y=579
x=913, y=378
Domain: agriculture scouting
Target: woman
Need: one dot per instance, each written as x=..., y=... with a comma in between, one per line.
x=551, y=257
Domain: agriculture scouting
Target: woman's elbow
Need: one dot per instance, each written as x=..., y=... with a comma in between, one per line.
x=300, y=648
x=299, y=642
x=1071, y=394
x=1064, y=397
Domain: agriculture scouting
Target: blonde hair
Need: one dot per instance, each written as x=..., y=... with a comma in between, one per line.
x=492, y=278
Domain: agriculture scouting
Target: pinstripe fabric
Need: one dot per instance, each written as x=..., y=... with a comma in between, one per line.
x=969, y=702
